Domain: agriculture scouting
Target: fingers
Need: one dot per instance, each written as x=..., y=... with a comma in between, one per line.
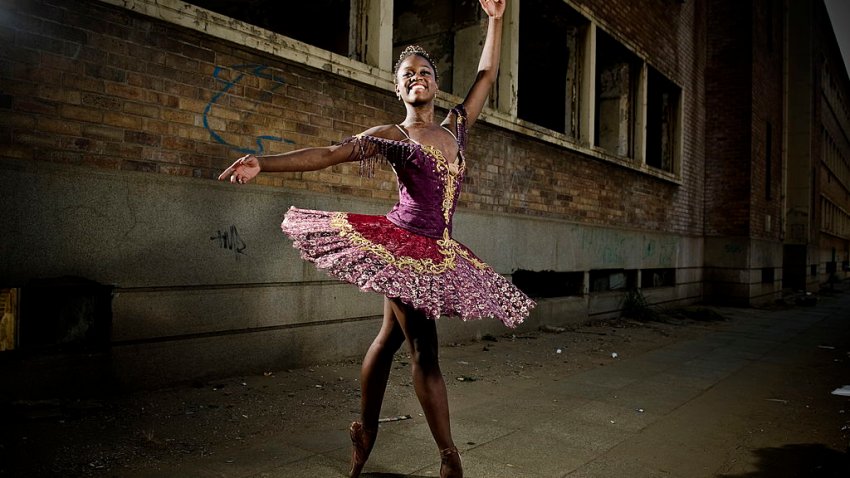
x=233, y=172
x=238, y=178
x=492, y=7
x=237, y=175
x=227, y=172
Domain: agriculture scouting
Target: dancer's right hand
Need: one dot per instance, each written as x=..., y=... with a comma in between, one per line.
x=242, y=170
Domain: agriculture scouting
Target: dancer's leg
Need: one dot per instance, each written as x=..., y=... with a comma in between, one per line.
x=377, y=363
x=421, y=334
x=374, y=374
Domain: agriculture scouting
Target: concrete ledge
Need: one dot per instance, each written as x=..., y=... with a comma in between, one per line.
x=156, y=314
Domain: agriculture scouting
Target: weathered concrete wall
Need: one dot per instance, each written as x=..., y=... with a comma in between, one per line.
x=736, y=270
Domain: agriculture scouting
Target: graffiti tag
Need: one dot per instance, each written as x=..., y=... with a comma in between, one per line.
x=230, y=240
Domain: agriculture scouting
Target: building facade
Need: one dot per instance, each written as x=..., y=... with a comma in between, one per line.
x=627, y=146
x=743, y=162
x=817, y=239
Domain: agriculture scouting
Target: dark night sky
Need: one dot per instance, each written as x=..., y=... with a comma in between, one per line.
x=839, y=13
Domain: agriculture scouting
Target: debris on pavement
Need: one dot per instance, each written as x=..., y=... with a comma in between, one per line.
x=396, y=418
x=552, y=329
x=843, y=391
x=777, y=400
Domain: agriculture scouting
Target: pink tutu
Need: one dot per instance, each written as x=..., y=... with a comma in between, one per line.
x=436, y=276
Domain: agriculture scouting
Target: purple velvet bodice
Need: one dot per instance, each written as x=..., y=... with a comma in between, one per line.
x=428, y=188
x=428, y=183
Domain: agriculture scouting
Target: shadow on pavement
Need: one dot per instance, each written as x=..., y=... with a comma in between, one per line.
x=391, y=475
x=799, y=461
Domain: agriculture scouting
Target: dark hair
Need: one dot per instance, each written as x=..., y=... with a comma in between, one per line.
x=415, y=50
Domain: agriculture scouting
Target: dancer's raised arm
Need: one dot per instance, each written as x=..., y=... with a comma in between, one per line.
x=488, y=65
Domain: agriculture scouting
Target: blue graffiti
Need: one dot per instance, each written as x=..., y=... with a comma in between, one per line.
x=258, y=71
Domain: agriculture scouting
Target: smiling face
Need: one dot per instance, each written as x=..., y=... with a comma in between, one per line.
x=415, y=80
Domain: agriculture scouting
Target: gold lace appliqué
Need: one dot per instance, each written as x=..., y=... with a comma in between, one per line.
x=448, y=175
x=448, y=242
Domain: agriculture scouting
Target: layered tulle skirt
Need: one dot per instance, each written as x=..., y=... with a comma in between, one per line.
x=436, y=276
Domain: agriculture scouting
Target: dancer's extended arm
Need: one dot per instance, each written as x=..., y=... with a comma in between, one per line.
x=249, y=166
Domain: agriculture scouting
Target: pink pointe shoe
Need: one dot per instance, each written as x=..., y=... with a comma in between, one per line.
x=450, y=466
x=362, y=441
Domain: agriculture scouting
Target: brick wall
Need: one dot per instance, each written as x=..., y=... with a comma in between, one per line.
x=97, y=86
x=670, y=36
x=729, y=112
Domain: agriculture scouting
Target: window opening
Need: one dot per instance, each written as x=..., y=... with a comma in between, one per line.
x=612, y=279
x=768, y=20
x=617, y=76
x=768, y=275
x=551, y=51
x=321, y=23
x=662, y=135
x=67, y=313
x=650, y=278
x=768, y=161
x=543, y=284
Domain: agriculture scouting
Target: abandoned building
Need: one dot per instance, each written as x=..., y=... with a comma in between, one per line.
x=692, y=150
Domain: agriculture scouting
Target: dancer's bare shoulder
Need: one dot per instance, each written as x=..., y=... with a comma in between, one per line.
x=385, y=131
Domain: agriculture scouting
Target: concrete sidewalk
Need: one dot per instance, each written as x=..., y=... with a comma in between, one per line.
x=748, y=399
